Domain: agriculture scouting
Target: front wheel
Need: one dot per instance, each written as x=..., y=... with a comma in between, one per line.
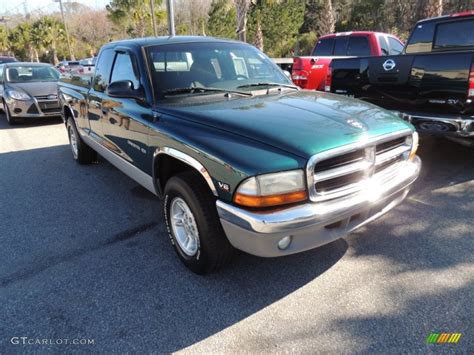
x=193, y=224
x=81, y=152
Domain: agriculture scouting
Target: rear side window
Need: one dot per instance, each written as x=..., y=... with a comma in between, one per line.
x=103, y=68
x=123, y=70
x=358, y=46
x=324, y=47
x=1, y=73
x=340, y=45
x=454, y=34
x=395, y=46
x=421, y=38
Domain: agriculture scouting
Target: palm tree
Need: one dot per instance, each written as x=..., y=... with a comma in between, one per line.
x=48, y=32
x=242, y=7
x=326, y=21
x=20, y=39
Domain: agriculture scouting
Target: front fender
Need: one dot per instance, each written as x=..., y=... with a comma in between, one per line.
x=227, y=158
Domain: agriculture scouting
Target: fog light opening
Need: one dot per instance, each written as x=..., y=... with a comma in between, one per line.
x=284, y=242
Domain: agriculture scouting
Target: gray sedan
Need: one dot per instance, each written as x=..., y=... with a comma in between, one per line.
x=28, y=90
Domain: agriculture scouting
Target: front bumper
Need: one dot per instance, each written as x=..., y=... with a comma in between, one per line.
x=461, y=126
x=33, y=108
x=311, y=225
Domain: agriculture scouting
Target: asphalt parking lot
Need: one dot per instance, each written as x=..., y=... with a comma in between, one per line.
x=84, y=255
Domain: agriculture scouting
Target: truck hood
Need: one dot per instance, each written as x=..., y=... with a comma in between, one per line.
x=302, y=123
x=40, y=88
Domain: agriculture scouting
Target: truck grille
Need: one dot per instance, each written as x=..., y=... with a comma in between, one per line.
x=347, y=170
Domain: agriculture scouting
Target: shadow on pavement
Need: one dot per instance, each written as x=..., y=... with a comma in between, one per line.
x=86, y=254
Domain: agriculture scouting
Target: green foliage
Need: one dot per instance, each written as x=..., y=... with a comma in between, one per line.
x=222, y=19
x=134, y=15
x=280, y=23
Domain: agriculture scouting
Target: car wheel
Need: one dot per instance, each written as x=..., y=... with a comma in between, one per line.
x=11, y=121
x=193, y=224
x=81, y=152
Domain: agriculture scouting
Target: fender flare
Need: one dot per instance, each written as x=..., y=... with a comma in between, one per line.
x=185, y=158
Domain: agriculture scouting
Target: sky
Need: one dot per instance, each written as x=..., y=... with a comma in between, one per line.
x=10, y=7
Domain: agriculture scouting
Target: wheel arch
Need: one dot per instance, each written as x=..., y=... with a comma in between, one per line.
x=169, y=161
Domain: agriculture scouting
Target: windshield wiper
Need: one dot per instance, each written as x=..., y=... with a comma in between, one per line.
x=268, y=84
x=188, y=90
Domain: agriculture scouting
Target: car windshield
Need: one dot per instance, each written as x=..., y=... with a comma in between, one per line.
x=32, y=73
x=177, y=68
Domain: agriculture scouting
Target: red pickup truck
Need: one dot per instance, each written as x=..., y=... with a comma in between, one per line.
x=310, y=72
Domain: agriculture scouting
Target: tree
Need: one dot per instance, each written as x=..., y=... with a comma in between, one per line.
x=242, y=7
x=431, y=8
x=326, y=22
x=222, y=17
x=49, y=32
x=20, y=39
x=133, y=15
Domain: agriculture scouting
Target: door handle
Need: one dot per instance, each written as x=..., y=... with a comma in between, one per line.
x=97, y=104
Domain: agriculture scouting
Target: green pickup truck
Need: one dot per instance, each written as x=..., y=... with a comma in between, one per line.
x=240, y=156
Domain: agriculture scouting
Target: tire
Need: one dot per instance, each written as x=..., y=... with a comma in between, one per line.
x=212, y=249
x=81, y=152
x=11, y=121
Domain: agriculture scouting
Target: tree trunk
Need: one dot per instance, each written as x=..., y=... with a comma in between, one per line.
x=36, y=56
x=326, y=23
x=432, y=8
x=242, y=7
x=258, y=42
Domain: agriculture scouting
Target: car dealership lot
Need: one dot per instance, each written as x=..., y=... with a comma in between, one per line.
x=85, y=255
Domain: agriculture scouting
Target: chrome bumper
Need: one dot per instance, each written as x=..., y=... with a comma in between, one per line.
x=446, y=125
x=311, y=225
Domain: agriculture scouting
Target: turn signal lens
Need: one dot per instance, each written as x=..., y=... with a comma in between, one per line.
x=271, y=200
x=414, y=146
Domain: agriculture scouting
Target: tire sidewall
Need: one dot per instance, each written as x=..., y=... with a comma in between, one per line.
x=197, y=261
x=70, y=126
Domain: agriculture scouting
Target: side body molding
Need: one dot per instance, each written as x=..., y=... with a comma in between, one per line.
x=185, y=159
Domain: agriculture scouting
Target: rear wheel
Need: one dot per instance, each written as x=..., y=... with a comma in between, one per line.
x=193, y=224
x=81, y=152
x=11, y=121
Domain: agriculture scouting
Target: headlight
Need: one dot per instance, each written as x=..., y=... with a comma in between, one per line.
x=18, y=95
x=272, y=189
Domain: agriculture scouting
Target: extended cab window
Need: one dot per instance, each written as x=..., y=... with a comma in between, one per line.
x=102, y=70
x=395, y=46
x=358, y=46
x=421, y=38
x=1, y=73
x=324, y=47
x=123, y=70
x=454, y=34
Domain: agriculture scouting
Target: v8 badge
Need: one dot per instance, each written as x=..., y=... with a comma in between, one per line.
x=223, y=186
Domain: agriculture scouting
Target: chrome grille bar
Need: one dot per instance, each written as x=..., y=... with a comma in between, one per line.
x=338, y=175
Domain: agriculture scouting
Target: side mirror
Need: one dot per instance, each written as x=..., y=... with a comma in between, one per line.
x=124, y=89
x=287, y=73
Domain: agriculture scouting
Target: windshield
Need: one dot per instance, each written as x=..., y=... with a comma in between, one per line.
x=226, y=66
x=28, y=74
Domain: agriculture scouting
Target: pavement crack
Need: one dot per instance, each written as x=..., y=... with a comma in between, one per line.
x=50, y=262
